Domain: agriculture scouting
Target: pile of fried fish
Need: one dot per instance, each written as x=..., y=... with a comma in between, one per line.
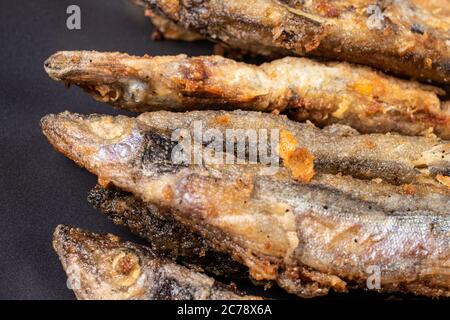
x=358, y=196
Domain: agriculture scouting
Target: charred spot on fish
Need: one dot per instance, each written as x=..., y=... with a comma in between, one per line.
x=432, y=227
x=364, y=169
x=158, y=152
x=417, y=28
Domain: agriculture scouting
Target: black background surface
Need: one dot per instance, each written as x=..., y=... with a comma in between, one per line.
x=40, y=188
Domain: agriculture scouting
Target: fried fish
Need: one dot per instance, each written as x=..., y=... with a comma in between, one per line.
x=164, y=234
x=102, y=267
x=171, y=239
x=336, y=149
x=308, y=237
x=402, y=37
x=324, y=93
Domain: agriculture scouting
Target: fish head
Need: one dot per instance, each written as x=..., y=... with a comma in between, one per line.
x=100, y=267
x=111, y=147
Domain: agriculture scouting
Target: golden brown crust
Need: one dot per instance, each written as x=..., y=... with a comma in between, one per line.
x=169, y=30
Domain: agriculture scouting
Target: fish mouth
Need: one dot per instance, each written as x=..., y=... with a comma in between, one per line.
x=64, y=131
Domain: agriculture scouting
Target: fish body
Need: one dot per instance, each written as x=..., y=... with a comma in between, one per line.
x=336, y=149
x=102, y=267
x=308, y=237
x=406, y=38
x=164, y=235
x=324, y=93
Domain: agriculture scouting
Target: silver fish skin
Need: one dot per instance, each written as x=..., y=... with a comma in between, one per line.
x=102, y=267
x=406, y=38
x=166, y=28
x=324, y=93
x=308, y=237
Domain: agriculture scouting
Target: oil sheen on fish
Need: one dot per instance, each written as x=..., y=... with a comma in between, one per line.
x=164, y=234
x=401, y=37
x=323, y=93
x=308, y=237
x=102, y=267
